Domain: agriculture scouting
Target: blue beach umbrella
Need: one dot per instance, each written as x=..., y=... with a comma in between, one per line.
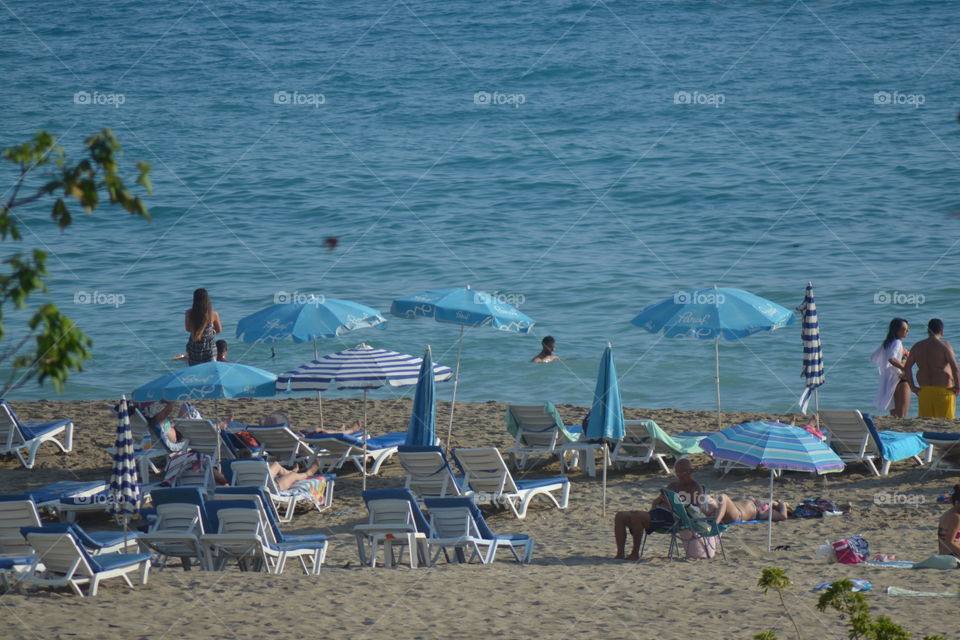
x=421, y=431
x=606, y=414
x=465, y=307
x=209, y=380
x=812, y=355
x=711, y=314
x=317, y=317
x=773, y=445
x=362, y=367
x=124, y=494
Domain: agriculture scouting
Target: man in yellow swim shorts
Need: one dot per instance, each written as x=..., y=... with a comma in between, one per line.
x=937, y=373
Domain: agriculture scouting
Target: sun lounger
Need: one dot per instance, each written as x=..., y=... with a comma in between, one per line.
x=428, y=472
x=202, y=436
x=487, y=476
x=49, y=496
x=855, y=439
x=26, y=437
x=180, y=519
x=333, y=449
x=458, y=523
x=539, y=432
x=277, y=547
x=948, y=443
x=394, y=518
x=316, y=491
x=65, y=562
x=644, y=441
x=283, y=443
x=16, y=514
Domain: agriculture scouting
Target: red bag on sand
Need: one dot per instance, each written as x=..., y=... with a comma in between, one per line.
x=851, y=550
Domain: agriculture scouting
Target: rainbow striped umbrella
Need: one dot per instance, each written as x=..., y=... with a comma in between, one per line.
x=773, y=445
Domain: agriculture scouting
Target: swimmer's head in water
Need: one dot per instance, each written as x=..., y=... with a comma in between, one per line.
x=548, y=342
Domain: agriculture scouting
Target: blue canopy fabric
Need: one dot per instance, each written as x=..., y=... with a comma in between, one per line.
x=307, y=321
x=606, y=413
x=209, y=380
x=124, y=493
x=421, y=431
x=362, y=367
x=773, y=445
x=463, y=306
x=712, y=313
x=812, y=355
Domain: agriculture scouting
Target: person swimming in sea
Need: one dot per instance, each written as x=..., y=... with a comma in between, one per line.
x=548, y=345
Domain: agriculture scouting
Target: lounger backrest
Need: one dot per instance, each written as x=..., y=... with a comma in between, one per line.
x=9, y=426
x=335, y=444
x=14, y=515
x=243, y=520
x=452, y=518
x=249, y=473
x=847, y=433
x=428, y=473
x=199, y=478
x=179, y=518
x=60, y=552
x=535, y=428
x=395, y=506
x=202, y=436
x=280, y=441
x=268, y=511
x=485, y=470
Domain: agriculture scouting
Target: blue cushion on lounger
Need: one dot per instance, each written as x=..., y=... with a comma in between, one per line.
x=536, y=483
x=33, y=430
x=895, y=445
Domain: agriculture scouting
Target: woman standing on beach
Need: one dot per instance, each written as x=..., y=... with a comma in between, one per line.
x=894, y=392
x=203, y=324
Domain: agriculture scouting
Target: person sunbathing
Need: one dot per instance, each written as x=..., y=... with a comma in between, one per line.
x=948, y=529
x=286, y=478
x=280, y=418
x=726, y=510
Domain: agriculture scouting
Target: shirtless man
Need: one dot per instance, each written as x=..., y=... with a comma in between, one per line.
x=546, y=353
x=937, y=373
x=660, y=516
x=948, y=531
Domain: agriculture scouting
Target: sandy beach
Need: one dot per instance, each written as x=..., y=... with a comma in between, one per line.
x=573, y=587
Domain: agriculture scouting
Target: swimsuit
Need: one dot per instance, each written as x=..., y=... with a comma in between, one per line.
x=204, y=349
x=936, y=402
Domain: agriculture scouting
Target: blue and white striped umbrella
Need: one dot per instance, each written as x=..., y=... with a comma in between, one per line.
x=124, y=495
x=307, y=321
x=812, y=354
x=362, y=367
x=773, y=445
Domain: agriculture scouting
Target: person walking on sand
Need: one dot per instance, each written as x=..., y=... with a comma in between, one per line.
x=937, y=373
x=894, y=392
x=546, y=353
x=203, y=324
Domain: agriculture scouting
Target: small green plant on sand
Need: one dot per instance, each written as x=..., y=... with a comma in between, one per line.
x=851, y=605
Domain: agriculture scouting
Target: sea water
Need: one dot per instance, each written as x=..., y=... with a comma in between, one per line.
x=581, y=159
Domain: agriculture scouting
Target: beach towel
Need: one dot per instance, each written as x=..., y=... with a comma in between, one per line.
x=180, y=463
x=897, y=591
x=814, y=508
x=858, y=585
x=890, y=564
x=312, y=489
x=937, y=561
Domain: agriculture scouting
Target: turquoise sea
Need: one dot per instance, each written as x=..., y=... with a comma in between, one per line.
x=584, y=159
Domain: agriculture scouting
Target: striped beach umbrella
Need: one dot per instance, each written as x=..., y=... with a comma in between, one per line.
x=362, y=367
x=775, y=446
x=812, y=354
x=124, y=495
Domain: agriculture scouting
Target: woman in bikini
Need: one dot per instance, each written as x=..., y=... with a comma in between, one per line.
x=948, y=529
x=894, y=392
x=727, y=510
x=203, y=324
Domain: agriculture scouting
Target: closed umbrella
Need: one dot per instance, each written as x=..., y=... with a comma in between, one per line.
x=775, y=446
x=606, y=413
x=362, y=367
x=468, y=308
x=124, y=494
x=812, y=355
x=317, y=317
x=421, y=431
x=711, y=314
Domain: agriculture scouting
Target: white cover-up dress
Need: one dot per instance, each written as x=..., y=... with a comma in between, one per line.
x=889, y=374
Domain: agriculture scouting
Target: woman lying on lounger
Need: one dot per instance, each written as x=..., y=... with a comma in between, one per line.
x=286, y=478
x=280, y=418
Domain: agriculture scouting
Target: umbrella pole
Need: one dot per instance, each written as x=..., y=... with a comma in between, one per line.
x=603, y=493
x=716, y=346
x=456, y=382
x=363, y=467
x=816, y=403
x=319, y=393
x=770, y=515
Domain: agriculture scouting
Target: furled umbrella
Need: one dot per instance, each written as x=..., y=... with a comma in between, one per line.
x=124, y=493
x=606, y=413
x=774, y=446
x=711, y=314
x=465, y=307
x=421, y=430
x=362, y=367
x=812, y=354
x=314, y=318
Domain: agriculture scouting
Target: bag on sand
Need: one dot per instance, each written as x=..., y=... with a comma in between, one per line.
x=698, y=547
x=852, y=550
